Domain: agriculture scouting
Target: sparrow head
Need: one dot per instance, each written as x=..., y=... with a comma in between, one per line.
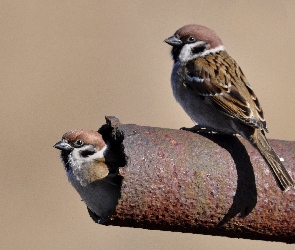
x=192, y=41
x=82, y=153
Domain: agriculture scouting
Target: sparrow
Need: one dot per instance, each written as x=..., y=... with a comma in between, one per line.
x=83, y=154
x=213, y=90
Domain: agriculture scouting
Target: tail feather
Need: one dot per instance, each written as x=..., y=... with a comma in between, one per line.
x=280, y=173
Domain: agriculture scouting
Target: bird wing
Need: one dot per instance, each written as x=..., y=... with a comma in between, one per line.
x=221, y=82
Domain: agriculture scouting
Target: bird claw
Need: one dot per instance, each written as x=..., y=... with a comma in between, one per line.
x=199, y=129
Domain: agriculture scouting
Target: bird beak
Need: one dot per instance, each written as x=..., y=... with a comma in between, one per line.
x=173, y=41
x=62, y=145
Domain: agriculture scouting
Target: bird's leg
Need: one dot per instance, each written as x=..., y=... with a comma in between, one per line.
x=200, y=129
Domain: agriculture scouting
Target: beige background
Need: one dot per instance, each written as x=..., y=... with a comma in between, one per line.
x=67, y=64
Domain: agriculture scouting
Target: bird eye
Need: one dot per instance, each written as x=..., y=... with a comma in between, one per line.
x=79, y=143
x=191, y=39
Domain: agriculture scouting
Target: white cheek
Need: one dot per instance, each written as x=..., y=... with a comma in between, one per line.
x=76, y=154
x=75, y=159
x=186, y=51
x=99, y=154
x=79, y=164
x=187, y=55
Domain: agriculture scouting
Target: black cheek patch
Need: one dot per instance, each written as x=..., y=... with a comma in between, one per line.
x=87, y=152
x=199, y=49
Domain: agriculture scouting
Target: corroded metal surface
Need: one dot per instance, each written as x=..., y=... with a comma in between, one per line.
x=209, y=184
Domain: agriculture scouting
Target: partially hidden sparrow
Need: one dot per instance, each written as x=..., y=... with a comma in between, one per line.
x=83, y=156
x=212, y=89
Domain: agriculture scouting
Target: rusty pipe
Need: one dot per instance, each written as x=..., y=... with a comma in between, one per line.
x=207, y=184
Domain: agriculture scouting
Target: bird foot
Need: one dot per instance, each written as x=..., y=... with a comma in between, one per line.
x=199, y=129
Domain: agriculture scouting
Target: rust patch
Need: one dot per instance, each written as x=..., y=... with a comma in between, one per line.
x=210, y=184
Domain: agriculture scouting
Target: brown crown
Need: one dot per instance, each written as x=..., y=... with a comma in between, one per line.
x=87, y=136
x=201, y=33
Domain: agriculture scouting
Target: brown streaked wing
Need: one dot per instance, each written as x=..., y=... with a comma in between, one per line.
x=225, y=87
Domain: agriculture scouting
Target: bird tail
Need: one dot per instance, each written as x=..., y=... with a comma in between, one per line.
x=280, y=173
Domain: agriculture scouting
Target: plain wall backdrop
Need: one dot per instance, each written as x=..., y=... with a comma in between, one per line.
x=67, y=64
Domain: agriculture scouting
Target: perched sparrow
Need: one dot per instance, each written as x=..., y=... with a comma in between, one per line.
x=213, y=91
x=83, y=156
